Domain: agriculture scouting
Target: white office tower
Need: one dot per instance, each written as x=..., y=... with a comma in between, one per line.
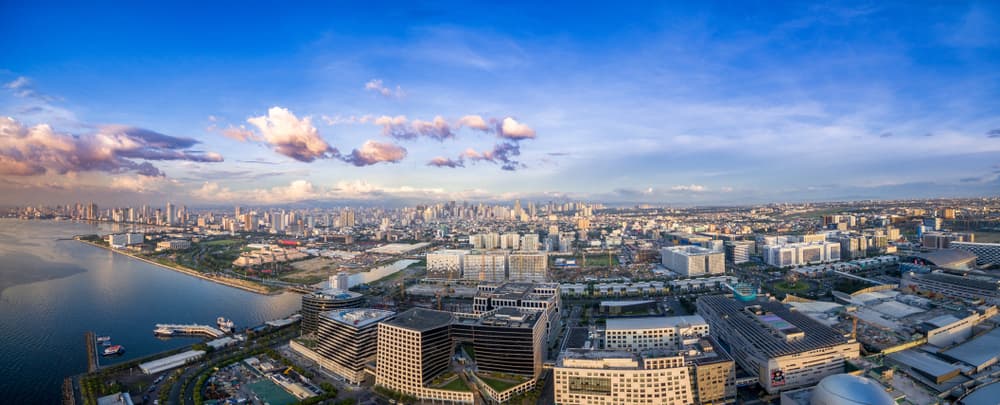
x=803, y=253
x=691, y=261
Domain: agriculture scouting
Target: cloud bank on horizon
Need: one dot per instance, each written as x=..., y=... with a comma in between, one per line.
x=671, y=103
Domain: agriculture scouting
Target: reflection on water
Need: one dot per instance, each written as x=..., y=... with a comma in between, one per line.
x=59, y=289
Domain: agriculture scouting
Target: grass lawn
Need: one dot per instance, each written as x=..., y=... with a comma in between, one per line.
x=222, y=242
x=497, y=384
x=787, y=288
x=456, y=385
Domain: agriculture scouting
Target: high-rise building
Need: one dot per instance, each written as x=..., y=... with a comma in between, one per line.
x=738, y=251
x=446, y=263
x=318, y=302
x=691, y=261
x=530, y=267
x=485, y=266
x=413, y=349
x=529, y=242
x=170, y=215
x=347, y=339
x=510, y=241
x=784, y=349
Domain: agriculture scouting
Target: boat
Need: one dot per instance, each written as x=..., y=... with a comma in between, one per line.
x=114, y=350
x=225, y=325
x=163, y=332
x=104, y=338
x=106, y=344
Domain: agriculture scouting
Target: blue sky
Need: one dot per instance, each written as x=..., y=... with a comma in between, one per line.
x=666, y=103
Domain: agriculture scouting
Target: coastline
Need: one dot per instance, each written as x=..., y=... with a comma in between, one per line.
x=191, y=272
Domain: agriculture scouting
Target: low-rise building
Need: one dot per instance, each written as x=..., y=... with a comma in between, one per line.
x=655, y=332
x=784, y=348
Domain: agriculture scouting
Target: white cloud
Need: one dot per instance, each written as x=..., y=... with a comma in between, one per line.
x=377, y=86
x=291, y=136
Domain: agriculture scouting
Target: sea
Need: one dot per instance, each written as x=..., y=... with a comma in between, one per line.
x=54, y=289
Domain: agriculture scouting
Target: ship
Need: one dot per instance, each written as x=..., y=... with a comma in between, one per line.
x=114, y=350
x=104, y=338
x=106, y=343
x=225, y=325
x=163, y=332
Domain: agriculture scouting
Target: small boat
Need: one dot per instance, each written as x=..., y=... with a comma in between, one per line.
x=114, y=350
x=163, y=332
x=225, y=325
x=106, y=344
x=104, y=338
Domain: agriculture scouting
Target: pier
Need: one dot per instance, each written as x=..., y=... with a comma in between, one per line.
x=92, y=357
x=165, y=329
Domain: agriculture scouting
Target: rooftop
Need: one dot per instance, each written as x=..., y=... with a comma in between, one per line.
x=358, y=317
x=978, y=351
x=814, y=334
x=335, y=294
x=421, y=319
x=654, y=322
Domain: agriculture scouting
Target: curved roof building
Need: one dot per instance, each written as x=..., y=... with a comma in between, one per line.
x=955, y=259
x=846, y=389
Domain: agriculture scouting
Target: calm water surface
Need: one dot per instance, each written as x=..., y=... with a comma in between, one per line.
x=52, y=291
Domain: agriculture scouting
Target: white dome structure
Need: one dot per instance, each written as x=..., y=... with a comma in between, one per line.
x=846, y=389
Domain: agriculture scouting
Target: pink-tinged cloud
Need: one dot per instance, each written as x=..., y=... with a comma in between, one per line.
x=511, y=129
x=372, y=152
x=291, y=136
x=26, y=151
x=240, y=133
x=474, y=122
x=441, y=161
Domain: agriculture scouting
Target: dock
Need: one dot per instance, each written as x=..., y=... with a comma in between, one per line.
x=92, y=358
x=192, y=329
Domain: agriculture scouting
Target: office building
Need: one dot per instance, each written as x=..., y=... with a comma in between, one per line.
x=691, y=261
x=525, y=297
x=986, y=253
x=121, y=240
x=701, y=373
x=656, y=332
x=943, y=240
x=347, y=339
x=801, y=253
x=413, y=349
x=504, y=341
x=738, y=251
x=527, y=267
x=510, y=241
x=783, y=348
x=318, y=302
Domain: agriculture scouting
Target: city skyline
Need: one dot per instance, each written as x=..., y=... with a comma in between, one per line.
x=680, y=105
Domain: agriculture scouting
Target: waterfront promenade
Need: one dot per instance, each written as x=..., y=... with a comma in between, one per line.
x=227, y=281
